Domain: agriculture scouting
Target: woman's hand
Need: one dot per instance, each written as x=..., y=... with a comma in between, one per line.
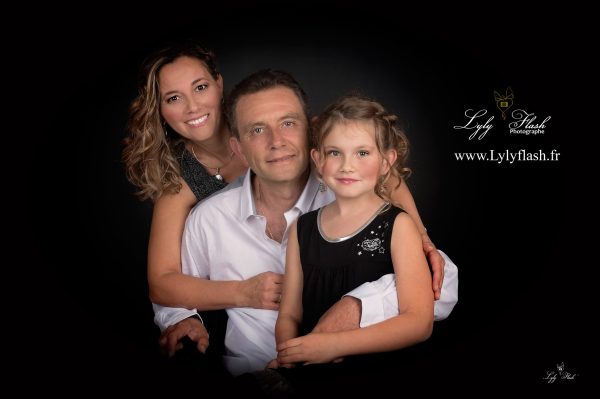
x=436, y=262
x=262, y=291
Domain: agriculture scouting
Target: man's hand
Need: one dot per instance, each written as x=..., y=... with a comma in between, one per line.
x=436, y=262
x=344, y=315
x=262, y=291
x=191, y=327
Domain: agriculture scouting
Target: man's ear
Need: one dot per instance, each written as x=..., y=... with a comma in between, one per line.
x=236, y=147
x=316, y=157
x=388, y=160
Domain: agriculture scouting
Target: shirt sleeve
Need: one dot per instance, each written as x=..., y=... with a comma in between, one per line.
x=380, y=300
x=165, y=317
x=375, y=297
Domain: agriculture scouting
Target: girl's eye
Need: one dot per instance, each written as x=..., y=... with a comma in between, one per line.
x=333, y=153
x=172, y=99
x=363, y=153
x=201, y=87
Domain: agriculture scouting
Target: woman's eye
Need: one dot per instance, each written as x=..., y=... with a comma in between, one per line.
x=201, y=87
x=172, y=99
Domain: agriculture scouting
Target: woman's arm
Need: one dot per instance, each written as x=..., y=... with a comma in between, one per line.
x=170, y=287
x=413, y=324
x=290, y=311
x=402, y=198
x=164, y=247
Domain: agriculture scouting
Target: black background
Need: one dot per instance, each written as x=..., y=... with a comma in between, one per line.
x=511, y=229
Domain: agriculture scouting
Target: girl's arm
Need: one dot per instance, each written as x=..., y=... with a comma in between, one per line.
x=170, y=287
x=290, y=311
x=402, y=198
x=413, y=324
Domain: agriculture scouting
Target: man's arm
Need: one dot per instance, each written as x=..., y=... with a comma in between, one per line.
x=376, y=301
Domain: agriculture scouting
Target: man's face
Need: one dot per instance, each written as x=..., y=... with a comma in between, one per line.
x=273, y=134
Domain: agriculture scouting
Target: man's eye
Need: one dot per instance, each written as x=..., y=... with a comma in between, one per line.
x=257, y=130
x=288, y=123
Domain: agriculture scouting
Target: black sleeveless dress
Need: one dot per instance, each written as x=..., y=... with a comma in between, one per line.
x=333, y=268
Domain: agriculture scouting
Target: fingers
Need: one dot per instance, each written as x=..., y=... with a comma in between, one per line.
x=170, y=340
x=202, y=344
x=428, y=246
x=289, y=351
x=290, y=343
x=272, y=293
x=276, y=277
x=437, y=266
x=273, y=364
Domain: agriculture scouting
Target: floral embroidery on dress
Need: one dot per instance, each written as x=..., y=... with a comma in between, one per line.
x=371, y=245
x=375, y=243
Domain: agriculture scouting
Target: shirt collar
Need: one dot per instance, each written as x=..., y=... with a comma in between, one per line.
x=303, y=204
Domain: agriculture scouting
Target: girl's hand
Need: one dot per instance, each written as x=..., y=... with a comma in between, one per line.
x=309, y=349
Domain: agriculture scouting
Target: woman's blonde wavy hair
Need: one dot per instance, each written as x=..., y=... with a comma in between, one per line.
x=150, y=149
x=388, y=134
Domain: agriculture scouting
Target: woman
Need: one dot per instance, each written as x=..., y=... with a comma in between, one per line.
x=178, y=153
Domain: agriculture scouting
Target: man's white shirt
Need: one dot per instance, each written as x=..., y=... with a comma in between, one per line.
x=225, y=239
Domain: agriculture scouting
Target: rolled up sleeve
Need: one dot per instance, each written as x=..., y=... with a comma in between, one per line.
x=380, y=300
x=165, y=317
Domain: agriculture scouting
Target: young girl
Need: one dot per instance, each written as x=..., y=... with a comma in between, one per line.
x=357, y=238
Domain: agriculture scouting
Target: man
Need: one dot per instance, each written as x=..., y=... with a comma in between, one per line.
x=242, y=231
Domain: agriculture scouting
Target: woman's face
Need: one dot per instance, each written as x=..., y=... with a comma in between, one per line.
x=190, y=98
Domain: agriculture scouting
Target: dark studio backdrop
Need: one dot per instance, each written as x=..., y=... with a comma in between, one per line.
x=504, y=225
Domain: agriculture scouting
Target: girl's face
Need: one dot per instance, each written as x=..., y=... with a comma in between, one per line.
x=352, y=164
x=190, y=98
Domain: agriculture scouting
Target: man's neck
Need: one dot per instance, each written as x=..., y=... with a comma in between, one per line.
x=279, y=197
